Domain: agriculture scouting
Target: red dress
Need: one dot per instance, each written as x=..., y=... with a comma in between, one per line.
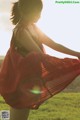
x=26, y=82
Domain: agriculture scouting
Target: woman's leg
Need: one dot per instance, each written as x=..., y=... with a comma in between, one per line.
x=19, y=114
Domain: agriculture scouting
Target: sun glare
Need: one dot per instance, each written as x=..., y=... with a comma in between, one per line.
x=61, y=25
x=57, y=21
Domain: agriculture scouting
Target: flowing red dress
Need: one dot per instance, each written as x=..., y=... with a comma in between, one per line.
x=28, y=81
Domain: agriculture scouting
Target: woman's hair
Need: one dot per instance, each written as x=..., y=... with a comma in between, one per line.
x=25, y=8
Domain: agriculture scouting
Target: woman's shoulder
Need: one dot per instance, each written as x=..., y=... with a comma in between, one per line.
x=40, y=33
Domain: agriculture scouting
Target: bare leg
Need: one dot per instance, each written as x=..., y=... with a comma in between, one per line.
x=19, y=114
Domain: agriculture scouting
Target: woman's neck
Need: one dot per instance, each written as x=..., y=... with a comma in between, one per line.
x=24, y=22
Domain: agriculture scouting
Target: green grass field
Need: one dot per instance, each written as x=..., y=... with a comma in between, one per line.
x=63, y=106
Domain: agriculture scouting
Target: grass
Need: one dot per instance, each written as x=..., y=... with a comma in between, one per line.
x=63, y=106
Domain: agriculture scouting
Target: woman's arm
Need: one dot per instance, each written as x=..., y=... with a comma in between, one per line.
x=58, y=47
x=25, y=39
x=52, y=44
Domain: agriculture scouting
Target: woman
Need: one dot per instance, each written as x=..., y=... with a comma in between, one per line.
x=37, y=76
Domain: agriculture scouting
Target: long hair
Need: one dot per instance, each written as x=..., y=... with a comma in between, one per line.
x=24, y=8
x=15, y=14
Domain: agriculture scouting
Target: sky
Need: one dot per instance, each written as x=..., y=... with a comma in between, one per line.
x=61, y=22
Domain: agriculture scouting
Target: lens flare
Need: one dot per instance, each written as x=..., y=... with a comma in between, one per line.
x=36, y=90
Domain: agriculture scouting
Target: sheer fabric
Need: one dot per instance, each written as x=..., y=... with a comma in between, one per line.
x=26, y=82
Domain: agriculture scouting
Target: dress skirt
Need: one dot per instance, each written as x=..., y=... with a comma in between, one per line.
x=26, y=82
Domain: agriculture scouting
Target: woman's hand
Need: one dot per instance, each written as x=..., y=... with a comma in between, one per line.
x=78, y=55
